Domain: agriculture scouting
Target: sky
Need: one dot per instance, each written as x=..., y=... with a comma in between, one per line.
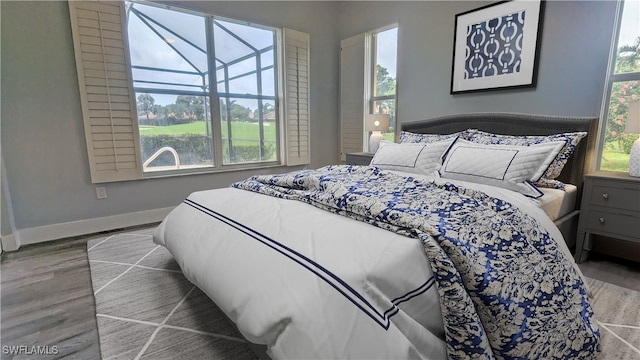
x=387, y=50
x=155, y=46
x=148, y=49
x=630, y=26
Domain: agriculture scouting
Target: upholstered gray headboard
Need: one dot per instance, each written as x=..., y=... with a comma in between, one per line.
x=522, y=124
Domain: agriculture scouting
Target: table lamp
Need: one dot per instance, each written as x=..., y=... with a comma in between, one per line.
x=376, y=123
x=633, y=127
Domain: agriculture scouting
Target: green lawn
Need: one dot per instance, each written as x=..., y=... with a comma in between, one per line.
x=190, y=128
x=614, y=161
x=239, y=130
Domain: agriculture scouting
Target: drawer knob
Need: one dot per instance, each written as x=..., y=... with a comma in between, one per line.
x=601, y=220
x=605, y=196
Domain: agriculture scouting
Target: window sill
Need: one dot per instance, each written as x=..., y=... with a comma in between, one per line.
x=209, y=170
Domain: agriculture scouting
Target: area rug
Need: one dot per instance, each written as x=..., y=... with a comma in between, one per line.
x=147, y=309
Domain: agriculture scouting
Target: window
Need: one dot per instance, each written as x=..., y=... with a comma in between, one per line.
x=384, y=49
x=367, y=85
x=623, y=89
x=145, y=74
x=171, y=59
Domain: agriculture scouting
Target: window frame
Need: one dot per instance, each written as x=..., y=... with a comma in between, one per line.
x=215, y=97
x=277, y=98
x=109, y=107
x=357, y=76
x=370, y=81
x=610, y=80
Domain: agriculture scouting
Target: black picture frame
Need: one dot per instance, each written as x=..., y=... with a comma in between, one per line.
x=497, y=46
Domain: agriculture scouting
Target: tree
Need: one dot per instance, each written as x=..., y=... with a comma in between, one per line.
x=189, y=106
x=385, y=84
x=237, y=111
x=146, y=104
x=197, y=107
x=240, y=113
x=224, y=107
x=268, y=107
x=628, y=58
x=622, y=94
x=161, y=115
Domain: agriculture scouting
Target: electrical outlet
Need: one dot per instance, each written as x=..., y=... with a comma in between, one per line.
x=101, y=192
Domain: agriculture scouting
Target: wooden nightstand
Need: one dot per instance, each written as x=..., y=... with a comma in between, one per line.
x=361, y=158
x=610, y=207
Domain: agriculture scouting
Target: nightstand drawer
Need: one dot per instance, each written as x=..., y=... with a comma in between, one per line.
x=614, y=224
x=615, y=197
x=611, y=208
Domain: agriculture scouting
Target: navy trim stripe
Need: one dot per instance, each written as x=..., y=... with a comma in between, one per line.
x=340, y=285
x=534, y=188
x=410, y=295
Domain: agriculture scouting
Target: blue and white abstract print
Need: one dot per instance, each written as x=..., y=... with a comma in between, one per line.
x=494, y=46
x=506, y=290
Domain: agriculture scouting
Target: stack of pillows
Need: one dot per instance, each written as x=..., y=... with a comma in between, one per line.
x=518, y=163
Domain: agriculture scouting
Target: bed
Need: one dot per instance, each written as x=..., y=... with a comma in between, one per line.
x=566, y=211
x=385, y=262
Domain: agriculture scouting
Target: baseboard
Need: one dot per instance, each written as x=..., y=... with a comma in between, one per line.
x=9, y=242
x=45, y=233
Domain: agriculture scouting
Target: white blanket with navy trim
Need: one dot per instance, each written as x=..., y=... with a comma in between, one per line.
x=311, y=284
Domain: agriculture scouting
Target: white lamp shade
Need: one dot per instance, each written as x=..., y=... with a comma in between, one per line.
x=634, y=159
x=633, y=119
x=376, y=122
x=633, y=127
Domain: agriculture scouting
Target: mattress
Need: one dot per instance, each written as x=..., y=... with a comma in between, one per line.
x=557, y=203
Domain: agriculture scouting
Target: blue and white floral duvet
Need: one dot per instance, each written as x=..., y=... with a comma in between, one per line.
x=459, y=274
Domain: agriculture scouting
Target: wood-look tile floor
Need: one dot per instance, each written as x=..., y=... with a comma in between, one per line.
x=47, y=308
x=47, y=302
x=613, y=270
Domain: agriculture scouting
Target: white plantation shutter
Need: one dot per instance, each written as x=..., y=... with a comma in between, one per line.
x=106, y=91
x=352, y=94
x=296, y=98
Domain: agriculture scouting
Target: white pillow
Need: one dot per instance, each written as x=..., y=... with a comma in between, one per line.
x=422, y=158
x=512, y=167
x=556, y=166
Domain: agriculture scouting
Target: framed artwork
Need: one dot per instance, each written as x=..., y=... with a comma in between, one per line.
x=496, y=47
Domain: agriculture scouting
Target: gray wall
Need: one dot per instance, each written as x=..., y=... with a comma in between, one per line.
x=575, y=39
x=43, y=142
x=6, y=227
